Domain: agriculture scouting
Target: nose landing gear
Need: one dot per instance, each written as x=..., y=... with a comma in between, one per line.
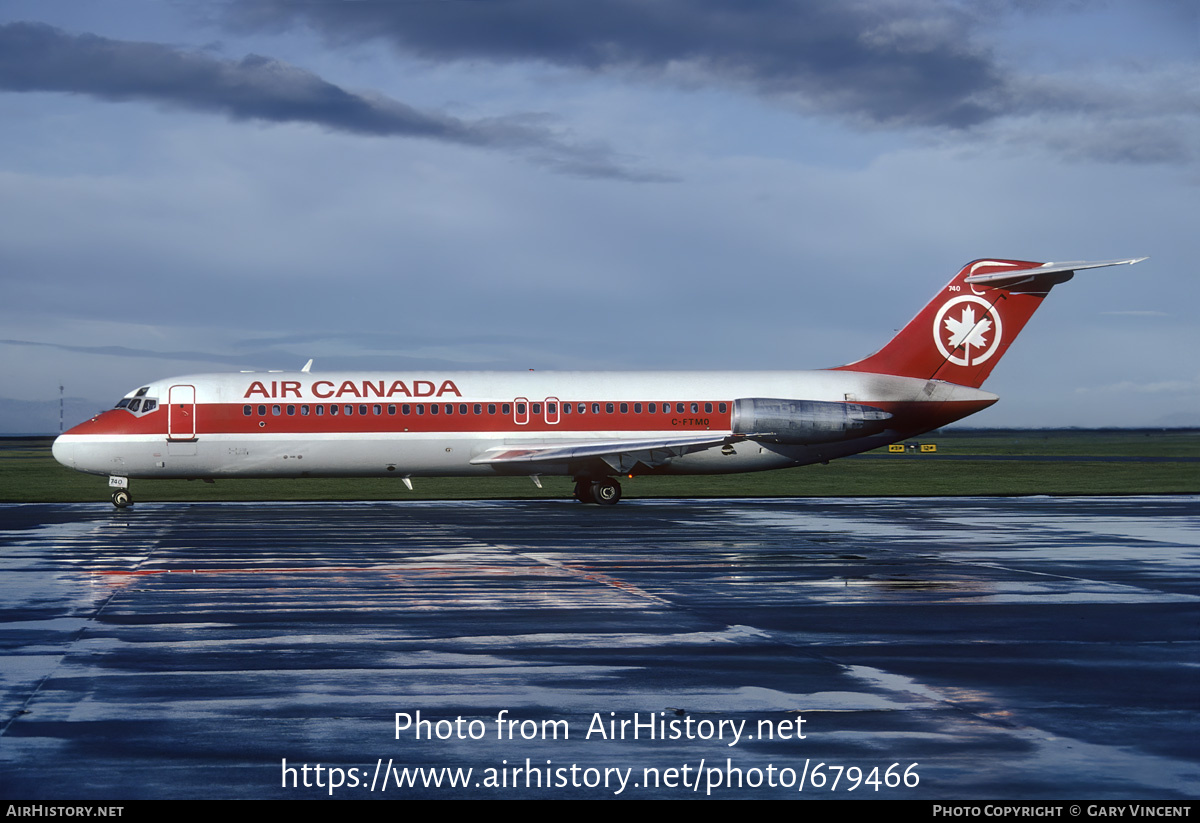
x=121, y=498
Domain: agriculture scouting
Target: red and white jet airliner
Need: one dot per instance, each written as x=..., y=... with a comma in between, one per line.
x=589, y=426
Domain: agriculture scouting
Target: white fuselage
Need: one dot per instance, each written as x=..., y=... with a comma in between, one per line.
x=291, y=424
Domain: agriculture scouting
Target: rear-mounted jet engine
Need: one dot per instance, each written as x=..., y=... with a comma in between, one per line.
x=805, y=422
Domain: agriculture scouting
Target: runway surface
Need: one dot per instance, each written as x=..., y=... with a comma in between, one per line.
x=963, y=648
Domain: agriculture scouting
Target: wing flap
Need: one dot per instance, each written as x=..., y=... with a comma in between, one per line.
x=620, y=455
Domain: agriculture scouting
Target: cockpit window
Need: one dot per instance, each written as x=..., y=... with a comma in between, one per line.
x=137, y=403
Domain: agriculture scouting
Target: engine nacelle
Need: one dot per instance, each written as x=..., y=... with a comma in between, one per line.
x=804, y=422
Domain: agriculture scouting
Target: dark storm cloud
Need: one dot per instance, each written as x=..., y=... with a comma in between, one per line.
x=879, y=62
x=264, y=357
x=37, y=57
x=1146, y=117
x=918, y=63
x=243, y=359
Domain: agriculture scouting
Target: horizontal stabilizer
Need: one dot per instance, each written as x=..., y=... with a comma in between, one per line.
x=1007, y=279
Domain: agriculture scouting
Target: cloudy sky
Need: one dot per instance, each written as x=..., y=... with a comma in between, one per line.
x=616, y=184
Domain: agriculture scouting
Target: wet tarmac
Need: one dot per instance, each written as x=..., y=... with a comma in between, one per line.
x=968, y=648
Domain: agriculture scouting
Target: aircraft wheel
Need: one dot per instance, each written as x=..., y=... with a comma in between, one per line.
x=583, y=491
x=606, y=492
x=122, y=499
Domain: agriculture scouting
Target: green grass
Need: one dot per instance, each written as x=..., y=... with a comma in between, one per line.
x=1071, y=442
x=29, y=474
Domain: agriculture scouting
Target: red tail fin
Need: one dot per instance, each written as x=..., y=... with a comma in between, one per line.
x=965, y=330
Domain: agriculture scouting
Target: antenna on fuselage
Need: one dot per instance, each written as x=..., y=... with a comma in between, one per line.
x=307, y=366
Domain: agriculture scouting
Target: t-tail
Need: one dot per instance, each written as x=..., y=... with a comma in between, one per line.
x=969, y=325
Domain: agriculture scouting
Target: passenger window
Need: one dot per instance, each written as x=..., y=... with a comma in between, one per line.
x=377, y=409
x=321, y=410
x=535, y=408
x=421, y=408
x=405, y=409
x=391, y=408
x=477, y=408
x=433, y=408
x=624, y=408
x=652, y=408
x=247, y=410
x=449, y=409
x=462, y=408
x=362, y=409
x=262, y=411
x=595, y=408
x=637, y=408
x=708, y=408
x=506, y=409
x=608, y=407
x=520, y=408
x=679, y=408
x=721, y=407
x=551, y=408
x=291, y=410
x=566, y=408
x=304, y=411
x=334, y=408
x=582, y=408
x=695, y=408
x=491, y=408
x=276, y=410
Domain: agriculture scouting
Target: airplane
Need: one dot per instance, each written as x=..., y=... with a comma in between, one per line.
x=593, y=427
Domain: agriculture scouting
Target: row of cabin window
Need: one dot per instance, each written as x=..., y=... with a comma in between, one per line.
x=477, y=408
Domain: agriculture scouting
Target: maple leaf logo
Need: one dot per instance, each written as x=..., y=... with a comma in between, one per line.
x=960, y=337
x=966, y=332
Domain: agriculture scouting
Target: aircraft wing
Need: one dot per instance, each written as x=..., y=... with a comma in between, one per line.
x=620, y=455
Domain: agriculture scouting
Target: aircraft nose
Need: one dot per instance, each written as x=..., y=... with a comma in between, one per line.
x=64, y=451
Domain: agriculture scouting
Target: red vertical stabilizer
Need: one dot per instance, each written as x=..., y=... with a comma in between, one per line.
x=969, y=325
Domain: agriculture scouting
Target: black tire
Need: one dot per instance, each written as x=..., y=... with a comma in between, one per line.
x=606, y=492
x=583, y=491
x=122, y=499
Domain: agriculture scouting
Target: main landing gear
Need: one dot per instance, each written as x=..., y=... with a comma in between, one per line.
x=604, y=490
